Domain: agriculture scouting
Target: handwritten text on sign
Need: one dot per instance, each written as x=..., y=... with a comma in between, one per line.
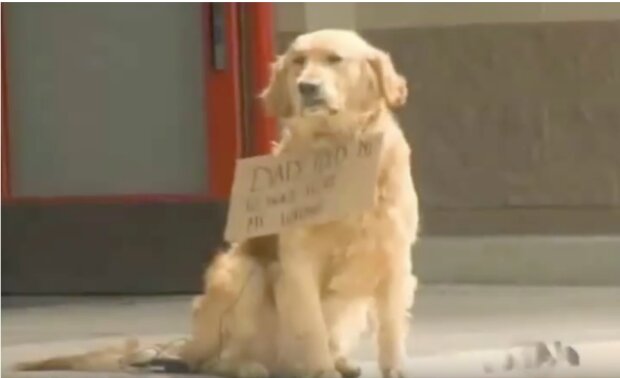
x=271, y=193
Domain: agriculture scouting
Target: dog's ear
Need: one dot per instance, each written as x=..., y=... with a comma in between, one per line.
x=393, y=86
x=276, y=97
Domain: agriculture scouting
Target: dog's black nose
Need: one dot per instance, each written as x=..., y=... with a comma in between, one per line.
x=308, y=89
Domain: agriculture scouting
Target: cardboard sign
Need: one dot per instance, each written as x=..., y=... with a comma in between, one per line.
x=271, y=193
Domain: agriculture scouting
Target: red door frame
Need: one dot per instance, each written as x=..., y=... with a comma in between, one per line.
x=6, y=184
x=222, y=106
x=262, y=51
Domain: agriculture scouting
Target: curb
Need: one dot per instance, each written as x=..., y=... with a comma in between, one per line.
x=519, y=260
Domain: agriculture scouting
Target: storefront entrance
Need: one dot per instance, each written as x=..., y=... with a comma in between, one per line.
x=121, y=124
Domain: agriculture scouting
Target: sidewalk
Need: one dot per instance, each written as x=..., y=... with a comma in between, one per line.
x=455, y=327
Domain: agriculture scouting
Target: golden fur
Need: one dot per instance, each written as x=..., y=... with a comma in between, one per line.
x=326, y=278
x=295, y=303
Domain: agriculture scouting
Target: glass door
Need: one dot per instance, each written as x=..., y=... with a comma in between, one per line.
x=121, y=125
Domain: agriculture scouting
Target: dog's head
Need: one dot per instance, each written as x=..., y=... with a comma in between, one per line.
x=327, y=72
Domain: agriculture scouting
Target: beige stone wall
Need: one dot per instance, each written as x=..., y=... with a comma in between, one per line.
x=296, y=17
x=515, y=108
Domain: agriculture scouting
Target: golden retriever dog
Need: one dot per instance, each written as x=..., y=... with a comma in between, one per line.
x=295, y=303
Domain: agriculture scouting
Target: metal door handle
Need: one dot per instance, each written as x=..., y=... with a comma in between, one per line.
x=218, y=35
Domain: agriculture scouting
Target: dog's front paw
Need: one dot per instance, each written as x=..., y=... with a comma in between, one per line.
x=252, y=370
x=392, y=373
x=327, y=374
x=347, y=369
x=317, y=374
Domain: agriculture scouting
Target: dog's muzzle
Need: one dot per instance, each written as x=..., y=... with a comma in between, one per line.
x=311, y=94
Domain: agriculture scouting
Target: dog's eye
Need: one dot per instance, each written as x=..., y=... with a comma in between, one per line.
x=333, y=58
x=299, y=60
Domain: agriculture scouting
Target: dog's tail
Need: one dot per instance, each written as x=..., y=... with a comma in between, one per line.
x=55, y=363
x=131, y=357
x=224, y=283
x=109, y=359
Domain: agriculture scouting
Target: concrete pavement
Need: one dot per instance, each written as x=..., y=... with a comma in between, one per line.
x=458, y=331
